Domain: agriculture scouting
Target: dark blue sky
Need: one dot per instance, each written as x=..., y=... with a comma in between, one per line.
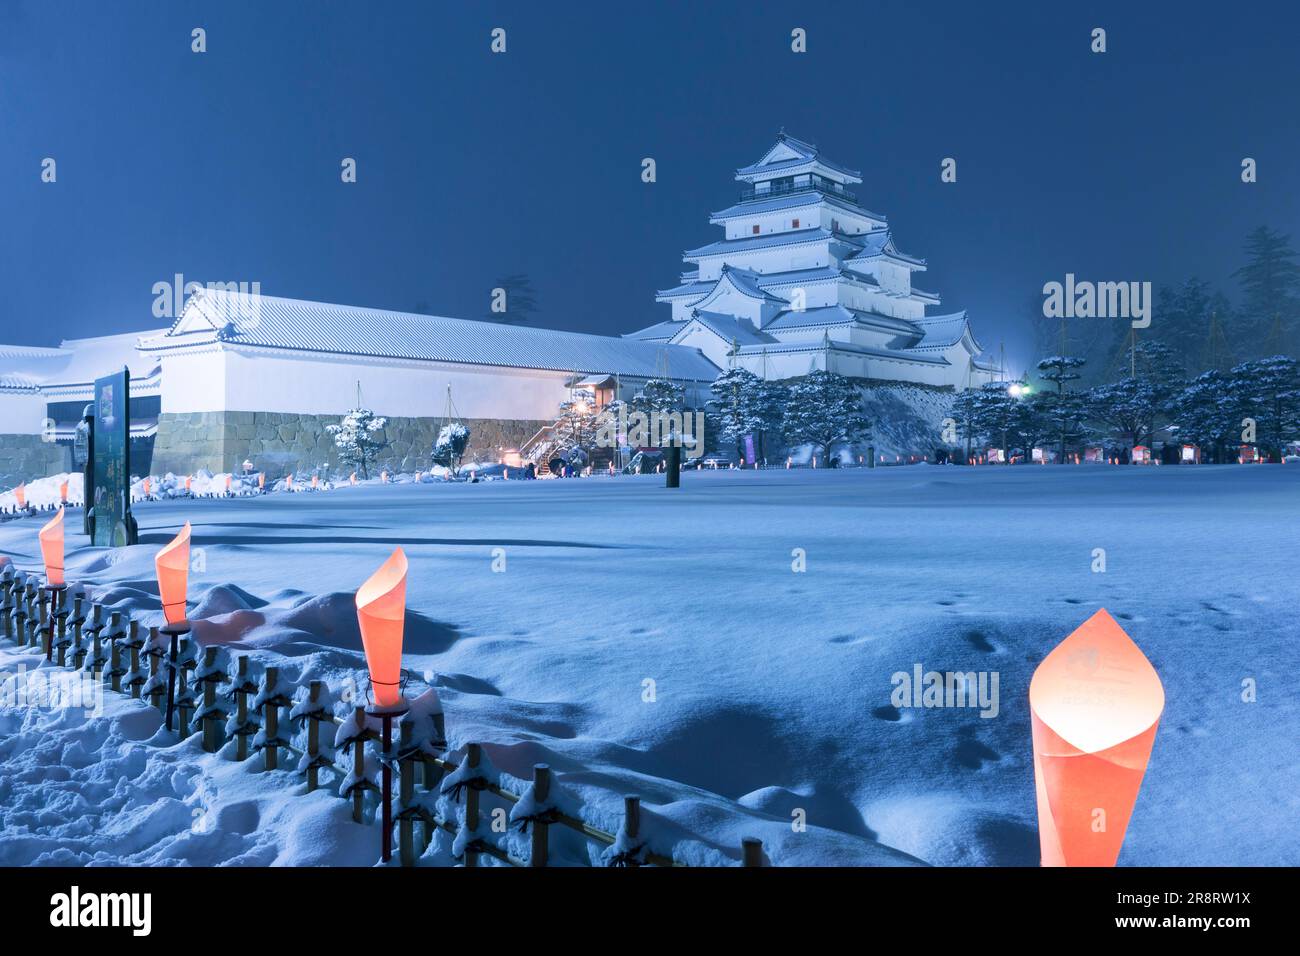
x=225, y=166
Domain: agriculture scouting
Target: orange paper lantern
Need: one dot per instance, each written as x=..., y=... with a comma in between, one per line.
x=1094, y=705
x=52, y=549
x=381, y=609
x=173, y=566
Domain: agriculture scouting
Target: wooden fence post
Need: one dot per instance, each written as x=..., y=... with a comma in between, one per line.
x=632, y=816
x=66, y=639
x=60, y=627
x=271, y=720
x=313, y=739
x=6, y=599
x=185, y=702
x=243, y=726
x=751, y=851
x=406, y=796
x=473, y=753
x=211, y=715
x=46, y=626
x=155, y=684
x=114, y=672
x=541, y=827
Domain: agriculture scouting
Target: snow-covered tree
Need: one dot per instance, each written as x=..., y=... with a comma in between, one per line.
x=1137, y=405
x=579, y=420
x=1063, y=407
x=1270, y=283
x=659, y=395
x=1268, y=391
x=824, y=409
x=744, y=404
x=1207, y=413
x=359, y=439
x=449, y=447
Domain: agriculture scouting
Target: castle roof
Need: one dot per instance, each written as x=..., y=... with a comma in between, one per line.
x=770, y=240
x=944, y=331
x=231, y=319
x=811, y=197
x=730, y=329
x=831, y=315
x=788, y=156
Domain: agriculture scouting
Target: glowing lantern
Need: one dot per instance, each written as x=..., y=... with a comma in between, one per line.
x=63, y=491
x=20, y=495
x=52, y=550
x=173, y=566
x=381, y=609
x=1094, y=704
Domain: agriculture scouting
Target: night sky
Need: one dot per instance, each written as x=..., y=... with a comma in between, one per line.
x=224, y=166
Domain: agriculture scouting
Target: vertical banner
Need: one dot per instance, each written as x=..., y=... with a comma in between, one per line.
x=113, y=524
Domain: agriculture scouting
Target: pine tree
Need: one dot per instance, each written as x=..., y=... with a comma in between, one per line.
x=659, y=395
x=1268, y=391
x=1270, y=283
x=733, y=393
x=449, y=447
x=356, y=438
x=1207, y=413
x=824, y=409
x=1065, y=409
x=578, y=422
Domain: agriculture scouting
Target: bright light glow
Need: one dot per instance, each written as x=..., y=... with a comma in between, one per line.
x=173, y=567
x=52, y=549
x=1094, y=705
x=381, y=611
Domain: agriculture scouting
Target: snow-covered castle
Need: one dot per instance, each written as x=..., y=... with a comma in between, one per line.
x=805, y=278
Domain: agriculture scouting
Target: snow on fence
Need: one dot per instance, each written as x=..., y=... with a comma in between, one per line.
x=240, y=715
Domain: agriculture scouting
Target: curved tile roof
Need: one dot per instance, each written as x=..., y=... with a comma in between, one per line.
x=294, y=324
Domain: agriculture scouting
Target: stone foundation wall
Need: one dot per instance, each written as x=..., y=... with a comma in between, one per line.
x=277, y=442
x=24, y=457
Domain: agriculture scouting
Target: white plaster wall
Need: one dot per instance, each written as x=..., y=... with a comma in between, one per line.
x=707, y=342
x=22, y=413
x=238, y=381
x=194, y=382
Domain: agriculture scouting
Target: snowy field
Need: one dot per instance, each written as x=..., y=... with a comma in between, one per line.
x=771, y=687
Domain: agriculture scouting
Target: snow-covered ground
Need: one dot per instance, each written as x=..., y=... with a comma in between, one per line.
x=771, y=687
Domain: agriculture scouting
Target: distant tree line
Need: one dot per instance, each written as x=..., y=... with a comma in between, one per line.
x=1205, y=373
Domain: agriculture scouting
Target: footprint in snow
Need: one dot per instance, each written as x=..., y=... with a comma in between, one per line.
x=890, y=713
